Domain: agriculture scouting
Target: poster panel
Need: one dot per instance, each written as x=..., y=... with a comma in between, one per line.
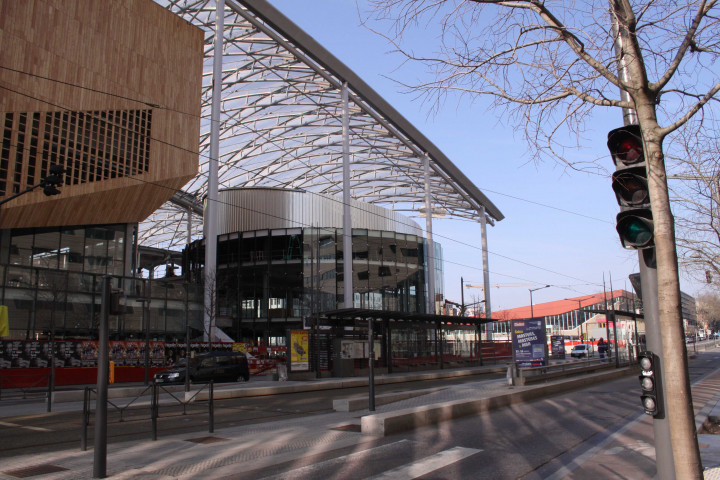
x=89, y=353
x=529, y=343
x=117, y=352
x=132, y=353
x=557, y=343
x=157, y=354
x=299, y=350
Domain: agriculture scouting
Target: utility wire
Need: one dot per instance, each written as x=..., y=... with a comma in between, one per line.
x=413, y=225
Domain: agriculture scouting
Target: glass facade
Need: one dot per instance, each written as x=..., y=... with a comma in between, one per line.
x=52, y=283
x=269, y=280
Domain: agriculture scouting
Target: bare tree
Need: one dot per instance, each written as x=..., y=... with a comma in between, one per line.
x=549, y=65
x=708, y=311
x=696, y=200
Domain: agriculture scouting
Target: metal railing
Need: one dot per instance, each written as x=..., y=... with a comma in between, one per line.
x=154, y=392
x=29, y=388
x=522, y=376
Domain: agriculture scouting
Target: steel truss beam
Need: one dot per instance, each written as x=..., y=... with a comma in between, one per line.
x=281, y=126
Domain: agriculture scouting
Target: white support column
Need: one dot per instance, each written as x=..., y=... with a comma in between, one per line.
x=347, y=218
x=210, y=221
x=430, y=254
x=486, y=268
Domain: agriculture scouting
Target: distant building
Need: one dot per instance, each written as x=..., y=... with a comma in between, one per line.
x=583, y=318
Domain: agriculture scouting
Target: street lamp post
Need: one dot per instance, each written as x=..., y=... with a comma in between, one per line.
x=532, y=315
x=579, y=311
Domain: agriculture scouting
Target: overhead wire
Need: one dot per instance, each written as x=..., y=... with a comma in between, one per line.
x=413, y=224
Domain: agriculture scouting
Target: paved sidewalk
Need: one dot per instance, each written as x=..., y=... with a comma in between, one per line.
x=249, y=448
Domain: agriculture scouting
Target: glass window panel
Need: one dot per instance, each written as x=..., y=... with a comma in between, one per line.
x=71, y=252
x=46, y=250
x=116, y=249
x=96, y=249
x=21, y=304
x=21, y=244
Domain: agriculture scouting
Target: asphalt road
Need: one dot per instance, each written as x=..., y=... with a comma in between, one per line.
x=594, y=432
x=61, y=430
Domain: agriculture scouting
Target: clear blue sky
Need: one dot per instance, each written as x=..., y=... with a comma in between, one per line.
x=534, y=244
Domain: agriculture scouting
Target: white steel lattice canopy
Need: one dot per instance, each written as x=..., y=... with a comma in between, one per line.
x=281, y=126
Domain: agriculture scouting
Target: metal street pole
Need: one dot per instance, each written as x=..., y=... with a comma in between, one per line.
x=100, y=446
x=532, y=314
x=371, y=364
x=664, y=456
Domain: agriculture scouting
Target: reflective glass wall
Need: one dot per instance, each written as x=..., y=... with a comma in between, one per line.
x=271, y=280
x=52, y=284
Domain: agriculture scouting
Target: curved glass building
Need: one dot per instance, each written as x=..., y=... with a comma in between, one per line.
x=280, y=260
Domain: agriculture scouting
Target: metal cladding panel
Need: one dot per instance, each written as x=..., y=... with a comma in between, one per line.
x=247, y=209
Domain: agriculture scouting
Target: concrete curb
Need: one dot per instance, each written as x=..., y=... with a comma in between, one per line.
x=389, y=423
x=247, y=391
x=362, y=403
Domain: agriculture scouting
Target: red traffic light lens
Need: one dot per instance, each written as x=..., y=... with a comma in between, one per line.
x=626, y=145
x=630, y=150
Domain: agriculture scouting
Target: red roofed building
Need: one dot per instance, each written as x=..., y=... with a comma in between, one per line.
x=581, y=317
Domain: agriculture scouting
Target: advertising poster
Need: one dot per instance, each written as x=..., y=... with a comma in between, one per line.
x=132, y=353
x=299, y=350
x=89, y=353
x=557, y=343
x=356, y=349
x=68, y=355
x=529, y=343
x=157, y=353
x=117, y=352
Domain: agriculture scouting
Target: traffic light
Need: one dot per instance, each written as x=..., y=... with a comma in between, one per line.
x=629, y=181
x=650, y=384
x=54, y=180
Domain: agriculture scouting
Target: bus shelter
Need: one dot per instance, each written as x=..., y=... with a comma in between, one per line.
x=402, y=341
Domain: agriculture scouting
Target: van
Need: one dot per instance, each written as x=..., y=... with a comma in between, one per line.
x=582, y=350
x=215, y=366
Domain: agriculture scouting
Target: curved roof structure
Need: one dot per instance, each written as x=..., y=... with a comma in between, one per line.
x=281, y=127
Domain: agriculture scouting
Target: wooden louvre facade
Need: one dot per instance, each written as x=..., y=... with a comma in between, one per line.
x=109, y=90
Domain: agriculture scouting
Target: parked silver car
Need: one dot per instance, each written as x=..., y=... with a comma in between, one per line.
x=582, y=350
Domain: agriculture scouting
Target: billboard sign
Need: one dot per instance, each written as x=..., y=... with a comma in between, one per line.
x=528, y=338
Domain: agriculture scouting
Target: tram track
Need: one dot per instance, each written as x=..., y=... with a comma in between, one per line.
x=62, y=431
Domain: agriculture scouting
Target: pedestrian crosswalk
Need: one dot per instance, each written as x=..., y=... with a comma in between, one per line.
x=407, y=471
x=427, y=464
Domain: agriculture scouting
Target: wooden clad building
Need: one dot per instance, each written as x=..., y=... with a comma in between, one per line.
x=111, y=91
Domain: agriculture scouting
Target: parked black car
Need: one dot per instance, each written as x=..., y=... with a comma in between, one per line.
x=216, y=366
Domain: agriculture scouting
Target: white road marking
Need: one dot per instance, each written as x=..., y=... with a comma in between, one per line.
x=427, y=465
x=309, y=471
x=37, y=429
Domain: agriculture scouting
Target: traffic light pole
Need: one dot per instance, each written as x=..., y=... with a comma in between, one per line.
x=664, y=459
